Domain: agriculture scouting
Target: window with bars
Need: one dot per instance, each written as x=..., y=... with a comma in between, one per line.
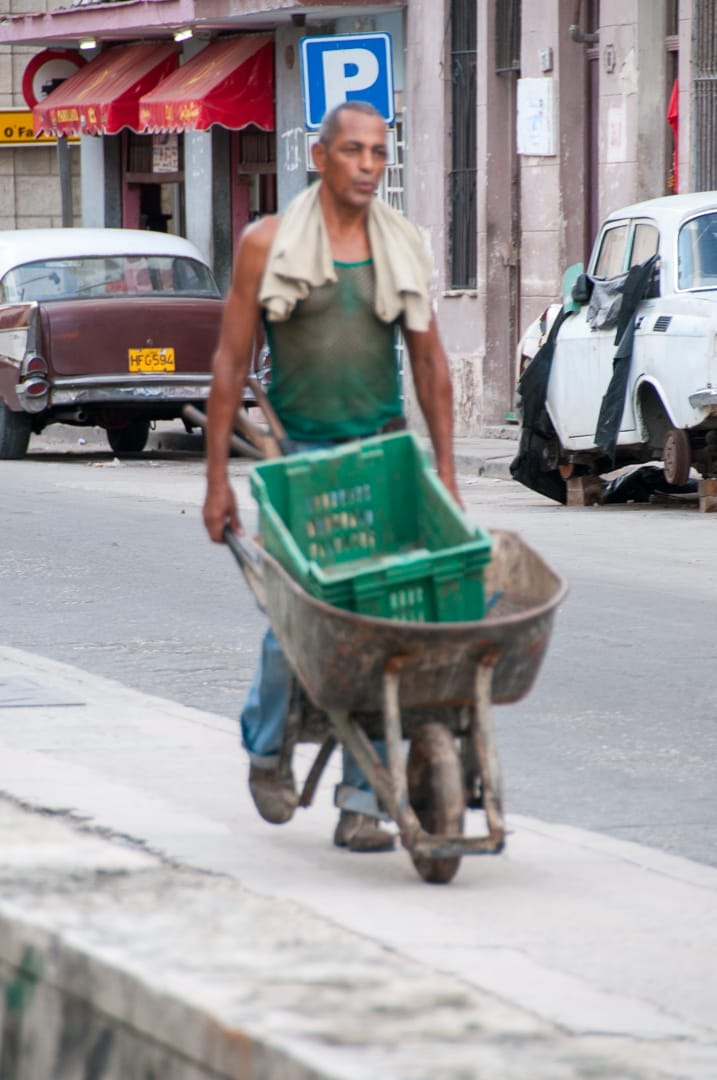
x=391, y=187
x=463, y=222
x=705, y=94
x=507, y=36
x=257, y=147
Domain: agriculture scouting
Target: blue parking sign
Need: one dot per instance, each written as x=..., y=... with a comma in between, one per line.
x=346, y=67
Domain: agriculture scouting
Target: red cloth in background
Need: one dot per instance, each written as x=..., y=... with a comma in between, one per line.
x=673, y=118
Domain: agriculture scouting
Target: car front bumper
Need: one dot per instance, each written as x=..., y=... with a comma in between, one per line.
x=704, y=399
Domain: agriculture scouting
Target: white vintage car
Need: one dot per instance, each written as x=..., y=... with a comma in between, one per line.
x=641, y=344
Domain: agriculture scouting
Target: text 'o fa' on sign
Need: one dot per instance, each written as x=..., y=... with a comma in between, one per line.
x=16, y=129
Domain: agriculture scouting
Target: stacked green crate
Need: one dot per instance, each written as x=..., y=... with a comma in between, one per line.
x=370, y=528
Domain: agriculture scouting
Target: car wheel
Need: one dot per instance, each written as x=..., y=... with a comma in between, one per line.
x=15, y=431
x=130, y=439
x=677, y=456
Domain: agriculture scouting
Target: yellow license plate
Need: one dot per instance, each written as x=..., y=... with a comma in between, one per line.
x=150, y=360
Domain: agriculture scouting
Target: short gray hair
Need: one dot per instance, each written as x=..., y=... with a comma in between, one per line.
x=331, y=122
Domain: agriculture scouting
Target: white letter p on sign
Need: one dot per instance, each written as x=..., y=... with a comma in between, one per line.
x=347, y=71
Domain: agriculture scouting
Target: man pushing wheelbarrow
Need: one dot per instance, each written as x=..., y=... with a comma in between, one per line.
x=424, y=659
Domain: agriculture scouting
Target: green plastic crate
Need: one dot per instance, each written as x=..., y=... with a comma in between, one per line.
x=369, y=527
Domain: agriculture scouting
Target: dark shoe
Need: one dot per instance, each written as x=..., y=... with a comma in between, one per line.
x=359, y=832
x=274, y=795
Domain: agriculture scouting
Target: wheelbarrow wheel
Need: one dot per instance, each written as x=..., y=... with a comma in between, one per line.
x=436, y=793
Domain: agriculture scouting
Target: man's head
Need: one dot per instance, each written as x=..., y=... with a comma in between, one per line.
x=350, y=155
x=331, y=123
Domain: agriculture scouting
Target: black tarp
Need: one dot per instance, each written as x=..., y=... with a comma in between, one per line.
x=641, y=485
x=635, y=287
x=531, y=464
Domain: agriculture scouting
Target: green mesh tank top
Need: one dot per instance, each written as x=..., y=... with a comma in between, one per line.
x=334, y=370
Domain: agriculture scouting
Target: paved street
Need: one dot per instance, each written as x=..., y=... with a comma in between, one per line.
x=617, y=735
x=592, y=922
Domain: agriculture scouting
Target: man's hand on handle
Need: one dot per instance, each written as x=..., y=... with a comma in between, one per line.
x=220, y=509
x=448, y=477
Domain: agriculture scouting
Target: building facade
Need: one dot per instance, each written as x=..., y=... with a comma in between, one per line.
x=29, y=191
x=519, y=126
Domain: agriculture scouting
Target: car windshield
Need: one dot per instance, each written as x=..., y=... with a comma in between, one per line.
x=697, y=253
x=107, y=276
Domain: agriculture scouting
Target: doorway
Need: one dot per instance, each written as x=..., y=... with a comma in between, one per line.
x=253, y=170
x=153, y=183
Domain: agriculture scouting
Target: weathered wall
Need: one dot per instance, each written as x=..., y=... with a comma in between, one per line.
x=552, y=186
x=498, y=195
x=632, y=103
x=30, y=187
x=685, y=136
x=459, y=313
x=632, y=132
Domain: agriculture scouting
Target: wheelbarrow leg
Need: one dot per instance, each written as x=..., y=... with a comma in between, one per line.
x=315, y=772
x=404, y=815
x=486, y=754
x=292, y=731
x=292, y=735
x=355, y=739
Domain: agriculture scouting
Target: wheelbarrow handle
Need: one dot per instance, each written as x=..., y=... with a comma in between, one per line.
x=244, y=549
x=285, y=444
x=246, y=553
x=242, y=446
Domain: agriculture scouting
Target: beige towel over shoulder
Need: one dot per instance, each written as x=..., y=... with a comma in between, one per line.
x=300, y=259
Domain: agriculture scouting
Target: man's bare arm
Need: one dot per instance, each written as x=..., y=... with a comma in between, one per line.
x=432, y=380
x=232, y=359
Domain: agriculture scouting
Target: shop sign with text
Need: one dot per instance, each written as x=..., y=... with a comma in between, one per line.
x=16, y=129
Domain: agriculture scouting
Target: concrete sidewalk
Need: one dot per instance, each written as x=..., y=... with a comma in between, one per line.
x=483, y=456
x=595, y=958
x=475, y=456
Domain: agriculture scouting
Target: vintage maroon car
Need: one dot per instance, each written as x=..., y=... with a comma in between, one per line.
x=107, y=327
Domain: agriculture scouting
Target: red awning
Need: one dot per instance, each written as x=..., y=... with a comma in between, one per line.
x=230, y=82
x=103, y=97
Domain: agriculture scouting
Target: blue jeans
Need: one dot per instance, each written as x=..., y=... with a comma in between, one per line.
x=264, y=716
x=262, y=727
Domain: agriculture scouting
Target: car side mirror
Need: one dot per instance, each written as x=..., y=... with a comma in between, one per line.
x=582, y=289
x=569, y=278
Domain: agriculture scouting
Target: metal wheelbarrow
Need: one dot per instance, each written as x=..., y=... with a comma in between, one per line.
x=434, y=684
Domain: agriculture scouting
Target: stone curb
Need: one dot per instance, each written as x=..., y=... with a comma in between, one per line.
x=117, y=964
x=495, y=468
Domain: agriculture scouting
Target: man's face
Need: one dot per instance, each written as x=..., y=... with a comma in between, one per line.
x=351, y=166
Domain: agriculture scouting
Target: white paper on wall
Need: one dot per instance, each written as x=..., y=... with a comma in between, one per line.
x=536, y=117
